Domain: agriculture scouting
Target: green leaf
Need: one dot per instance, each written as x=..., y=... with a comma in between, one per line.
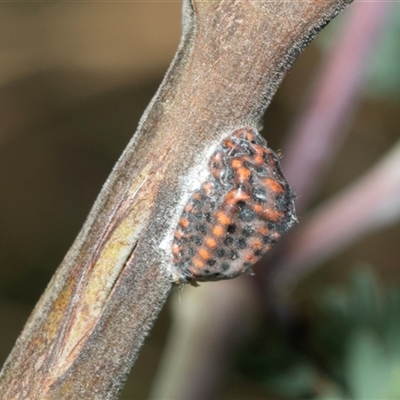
x=363, y=298
x=300, y=380
x=367, y=368
x=384, y=77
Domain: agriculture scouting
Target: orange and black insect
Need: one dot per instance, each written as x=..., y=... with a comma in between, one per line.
x=237, y=215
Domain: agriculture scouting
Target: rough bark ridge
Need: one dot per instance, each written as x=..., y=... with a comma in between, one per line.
x=86, y=330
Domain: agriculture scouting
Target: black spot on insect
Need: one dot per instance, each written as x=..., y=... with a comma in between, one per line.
x=199, y=215
x=269, y=240
x=267, y=158
x=241, y=243
x=197, y=240
x=208, y=217
x=248, y=231
x=220, y=253
x=224, y=267
x=201, y=228
x=211, y=262
x=241, y=204
x=246, y=215
x=229, y=241
x=266, y=239
x=281, y=203
x=231, y=228
x=251, y=152
x=262, y=172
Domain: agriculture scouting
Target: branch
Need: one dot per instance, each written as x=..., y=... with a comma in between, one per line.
x=321, y=128
x=370, y=203
x=313, y=144
x=85, y=332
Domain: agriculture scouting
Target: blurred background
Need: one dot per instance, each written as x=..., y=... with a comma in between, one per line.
x=74, y=81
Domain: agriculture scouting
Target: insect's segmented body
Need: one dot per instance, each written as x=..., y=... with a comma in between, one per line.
x=237, y=215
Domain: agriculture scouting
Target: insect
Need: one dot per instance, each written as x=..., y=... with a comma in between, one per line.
x=237, y=215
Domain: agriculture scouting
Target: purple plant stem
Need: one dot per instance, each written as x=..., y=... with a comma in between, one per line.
x=369, y=204
x=207, y=323
x=321, y=128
